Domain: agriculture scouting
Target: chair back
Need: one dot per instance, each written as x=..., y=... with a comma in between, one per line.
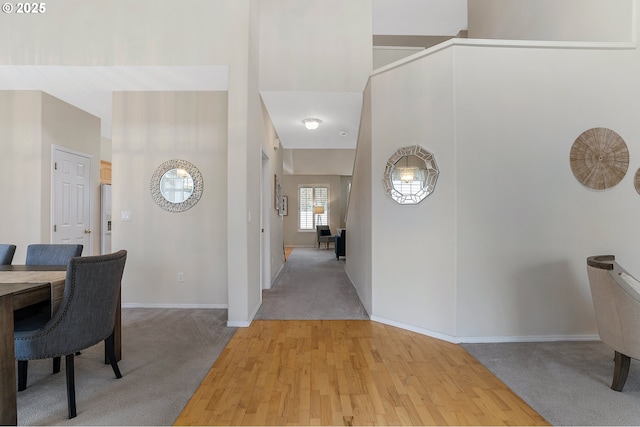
x=323, y=230
x=616, y=302
x=87, y=313
x=6, y=254
x=52, y=254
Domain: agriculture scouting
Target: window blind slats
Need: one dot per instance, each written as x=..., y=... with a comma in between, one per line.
x=308, y=197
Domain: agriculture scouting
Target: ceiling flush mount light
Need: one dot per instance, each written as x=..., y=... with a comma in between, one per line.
x=311, y=124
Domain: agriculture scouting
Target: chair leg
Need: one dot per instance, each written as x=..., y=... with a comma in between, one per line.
x=23, y=366
x=71, y=386
x=620, y=371
x=110, y=349
x=56, y=364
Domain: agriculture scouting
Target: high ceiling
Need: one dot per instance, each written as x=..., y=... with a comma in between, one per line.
x=90, y=88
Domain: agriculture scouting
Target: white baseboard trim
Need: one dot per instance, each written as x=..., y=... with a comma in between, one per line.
x=152, y=305
x=244, y=323
x=276, y=276
x=238, y=324
x=526, y=338
x=412, y=328
x=485, y=340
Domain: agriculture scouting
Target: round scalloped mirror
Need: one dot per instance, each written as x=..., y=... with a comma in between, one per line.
x=410, y=175
x=176, y=185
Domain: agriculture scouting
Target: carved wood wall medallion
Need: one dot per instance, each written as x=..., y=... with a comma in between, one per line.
x=599, y=158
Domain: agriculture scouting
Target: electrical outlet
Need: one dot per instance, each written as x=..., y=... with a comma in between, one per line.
x=180, y=277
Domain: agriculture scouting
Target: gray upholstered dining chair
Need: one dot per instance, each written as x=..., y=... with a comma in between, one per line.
x=52, y=254
x=46, y=254
x=86, y=317
x=6, y=254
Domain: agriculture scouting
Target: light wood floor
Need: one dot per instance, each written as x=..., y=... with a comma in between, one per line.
x=349, y=372
x=287, y=252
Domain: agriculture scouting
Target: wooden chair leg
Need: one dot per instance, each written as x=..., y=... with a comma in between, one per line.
x=23, y=367
x=110, y=349
x=56, y=364
x=71, y=385
x=620, y=371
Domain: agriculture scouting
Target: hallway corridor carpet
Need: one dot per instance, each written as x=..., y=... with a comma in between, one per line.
x=311, y=286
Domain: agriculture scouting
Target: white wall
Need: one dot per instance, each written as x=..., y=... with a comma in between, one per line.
x=21, y=136
x=108, y=32
x=83, y=136
x=273, y=150
x=30, y=123
x=566, y=20
x=150, y=128
x=290, y=185
x=320, y=162
x=359, y=258
x=525, y=224
x=413, y=247
x=497, y=252
x=325, y=44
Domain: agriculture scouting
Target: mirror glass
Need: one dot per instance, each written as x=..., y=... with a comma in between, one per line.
x=410, y=175
x=176, y=185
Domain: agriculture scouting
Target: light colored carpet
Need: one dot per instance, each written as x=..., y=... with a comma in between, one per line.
x=568, y=383
x=165, y=355
x=312, y=285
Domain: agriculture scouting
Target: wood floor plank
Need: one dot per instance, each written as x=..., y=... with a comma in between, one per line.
x=349, y=372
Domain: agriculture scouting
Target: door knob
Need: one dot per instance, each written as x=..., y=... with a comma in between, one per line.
x=87, y=231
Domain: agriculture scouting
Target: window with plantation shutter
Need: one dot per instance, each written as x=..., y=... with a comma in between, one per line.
x=310, y=197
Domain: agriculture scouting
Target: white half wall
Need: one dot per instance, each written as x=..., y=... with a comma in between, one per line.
x=413, y=247
x=525, y=224
x=498, y=251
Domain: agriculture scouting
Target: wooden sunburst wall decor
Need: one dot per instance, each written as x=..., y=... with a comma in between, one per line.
x=636, y=181
x=599, y=158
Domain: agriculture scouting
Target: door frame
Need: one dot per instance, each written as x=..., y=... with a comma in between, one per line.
x=265, y=221
x=54, y=148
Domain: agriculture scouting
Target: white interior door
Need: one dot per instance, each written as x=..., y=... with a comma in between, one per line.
x=72, y=199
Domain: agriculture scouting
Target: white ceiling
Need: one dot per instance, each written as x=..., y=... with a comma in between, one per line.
x=90, y=88
x=339, y=113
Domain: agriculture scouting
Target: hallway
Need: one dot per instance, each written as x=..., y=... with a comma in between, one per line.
x=311, y=286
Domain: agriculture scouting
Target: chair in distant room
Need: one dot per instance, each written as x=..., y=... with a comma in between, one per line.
x=324, y=235
x=340, y=244
x=6, y=254
x=52, y=254
x=85, y=318
x=616, y=300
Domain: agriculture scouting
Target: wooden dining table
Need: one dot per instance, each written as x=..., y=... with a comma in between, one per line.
x=21, y=286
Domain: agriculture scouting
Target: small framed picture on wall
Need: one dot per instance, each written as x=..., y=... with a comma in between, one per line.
x=277, y=191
